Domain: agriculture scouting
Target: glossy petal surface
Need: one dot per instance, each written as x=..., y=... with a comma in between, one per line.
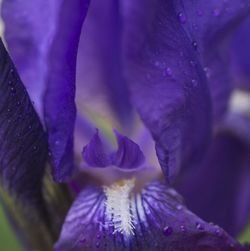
x=28, y=28
x=160, y=221
x=219, y=190
x=167, y=82
x=60, y=110
x=23, y=148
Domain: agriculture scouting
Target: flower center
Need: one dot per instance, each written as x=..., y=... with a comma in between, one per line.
x=118, y=206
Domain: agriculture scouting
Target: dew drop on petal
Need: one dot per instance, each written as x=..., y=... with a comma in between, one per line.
x=13, y=90
x=199, y=226
x=195, y=45
x=167, y=230
x=182, y=18
x=194, y=82
x=179, y=207
x=216, y=12
x=183, y=228
x=167, y=72
x=199, y=13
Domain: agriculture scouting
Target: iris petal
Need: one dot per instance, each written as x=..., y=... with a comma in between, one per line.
x=217, y=190
x=60, y=110
x=94, y=153
x=129, y=154
x=160, y=222
x=27, y=30
x=23, y=148
x=99, y=69
x=209, y=24
x=167, y=82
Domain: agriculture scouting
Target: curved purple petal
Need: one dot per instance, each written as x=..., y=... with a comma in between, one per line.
x=217, y=191
x=209, y=24
x=27, y=30
x=156, y=220
x=94, y=153
x=60, y=110
x=99, y=69
x=128, y=154
x=168, y=84
x=23, y=148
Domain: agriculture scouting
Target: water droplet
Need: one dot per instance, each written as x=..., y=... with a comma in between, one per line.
x=207, y=72
x=218, y=232
x=194, y=82
x=10, y=82
x=98, y=236
x=179, y=207
x=216, y=12
x=195, y=26
x=199, y=13
x=157, y=63
x=97, y=244
x=35, y=148
x=18, y=103
x=13, y=90
x=192, y=62
x=11, y=71
x=183, y=228
x=195, y=45
x=168, y=72
x=199, y=226
x=167, y=230
x=182, y=18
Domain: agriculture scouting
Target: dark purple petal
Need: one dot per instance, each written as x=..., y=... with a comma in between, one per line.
x=128, y=154
x=219, y=190
x=99, y=70
x=23, y=148
x=158, y=221
x=27, y=30
x=60, y=110
x=94, y=153
x=168, y=84
x=209, y=24
x=241, y=54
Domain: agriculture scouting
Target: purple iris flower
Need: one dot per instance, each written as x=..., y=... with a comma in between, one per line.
x=90, y=67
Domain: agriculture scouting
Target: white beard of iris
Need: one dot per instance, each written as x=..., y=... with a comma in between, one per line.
x=118, y=205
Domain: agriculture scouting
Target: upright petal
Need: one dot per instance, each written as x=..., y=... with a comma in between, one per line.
x=60, y=110
x=209, y=24
x=28, y=28
x=150, y=220
x=99, y=70
x=94, y=153
x=128, y=154
x=167, y=82
x=23, y=148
